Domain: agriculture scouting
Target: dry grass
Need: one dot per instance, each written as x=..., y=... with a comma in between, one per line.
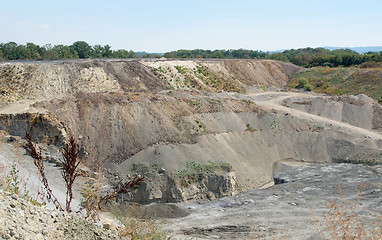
x=135, y=227
x=92, y=183
x=343, y=222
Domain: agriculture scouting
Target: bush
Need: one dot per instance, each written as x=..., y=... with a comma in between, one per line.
x=197, y=171
x=302, y=82
x=308, y=87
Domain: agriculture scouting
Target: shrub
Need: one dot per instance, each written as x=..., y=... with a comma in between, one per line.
x=197, y=171
x=308, y=87
x=302, y=82
x=343, y=222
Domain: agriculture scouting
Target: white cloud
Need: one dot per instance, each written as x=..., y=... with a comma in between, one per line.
x=40, y=26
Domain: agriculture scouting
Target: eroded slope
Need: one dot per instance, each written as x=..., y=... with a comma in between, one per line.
x=125, y=114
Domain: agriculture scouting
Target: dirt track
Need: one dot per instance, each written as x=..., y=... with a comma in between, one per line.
x=273, y=100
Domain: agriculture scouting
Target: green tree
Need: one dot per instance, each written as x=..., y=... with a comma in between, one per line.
x=21, y=52
x=33, y=51
x=98, y=51
x=121, y=53
x=9, y=50
x=83, y=49
x=65, y=52
x=108, y=53
x=132, y=54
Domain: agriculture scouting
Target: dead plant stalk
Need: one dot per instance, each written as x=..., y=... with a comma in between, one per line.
x=70, y=164
x=38, y=162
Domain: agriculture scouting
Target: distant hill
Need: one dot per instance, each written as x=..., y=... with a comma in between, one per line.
x=359, y=49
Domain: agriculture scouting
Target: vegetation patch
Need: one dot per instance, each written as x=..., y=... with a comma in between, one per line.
x=337, y=81
x=180, y=69
x=195, y=172
x=369, y=162
x=249, y=128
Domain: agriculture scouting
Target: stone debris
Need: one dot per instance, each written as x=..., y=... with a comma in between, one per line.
x=20, y=219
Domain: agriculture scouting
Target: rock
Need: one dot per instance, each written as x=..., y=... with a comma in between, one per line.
x=35, y=223
x=106, y=226
x=15, y=196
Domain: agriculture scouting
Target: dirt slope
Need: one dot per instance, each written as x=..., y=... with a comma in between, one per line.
x=35, y=81
x=122, y=113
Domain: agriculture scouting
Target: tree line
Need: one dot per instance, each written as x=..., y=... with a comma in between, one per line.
x=305, y=57
x=79, y=49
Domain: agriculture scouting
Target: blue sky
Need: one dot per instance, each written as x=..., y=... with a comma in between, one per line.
x=160, y=26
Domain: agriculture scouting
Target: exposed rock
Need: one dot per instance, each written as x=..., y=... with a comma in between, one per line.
x=293, y=210
x=164, y=187
x=22, y=220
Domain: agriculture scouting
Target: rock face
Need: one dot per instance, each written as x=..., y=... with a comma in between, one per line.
x=360, y=111
x=43, y=127
x=164, y=187
x=35, y=81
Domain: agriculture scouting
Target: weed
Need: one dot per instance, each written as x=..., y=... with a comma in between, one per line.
x=196, y=103
x=70, y=164
x=91, y=193
x=180, y=69
x=12, y=179
x=343, y=222
x=156, y=166
x=249, y=128
x=202, y=70
x=135, y=167
x=262, y=87
x=38, y=162
x=275, y=125
x=136, y=228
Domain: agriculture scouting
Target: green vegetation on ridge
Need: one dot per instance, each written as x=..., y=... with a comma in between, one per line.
x=341, y=80
x=305, y=57
x=79, y=49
